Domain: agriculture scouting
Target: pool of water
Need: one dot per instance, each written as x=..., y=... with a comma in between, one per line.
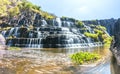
x=52, y=61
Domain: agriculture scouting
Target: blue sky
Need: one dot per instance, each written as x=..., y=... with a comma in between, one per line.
x=81, y=9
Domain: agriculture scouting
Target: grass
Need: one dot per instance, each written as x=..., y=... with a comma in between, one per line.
x=14, y=48
x=84, y=57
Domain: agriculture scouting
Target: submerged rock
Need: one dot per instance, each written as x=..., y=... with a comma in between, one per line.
x=115, y=45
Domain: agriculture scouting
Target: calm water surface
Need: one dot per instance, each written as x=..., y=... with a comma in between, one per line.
x=53, y=61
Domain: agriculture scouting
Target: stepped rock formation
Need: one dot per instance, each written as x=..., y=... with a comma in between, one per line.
x=115, y=46
x=59, y=33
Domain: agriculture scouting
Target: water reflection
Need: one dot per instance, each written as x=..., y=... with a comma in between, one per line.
x=73, y=50
x=38, y=61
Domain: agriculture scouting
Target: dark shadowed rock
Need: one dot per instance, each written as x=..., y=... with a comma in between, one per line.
x=115, y=46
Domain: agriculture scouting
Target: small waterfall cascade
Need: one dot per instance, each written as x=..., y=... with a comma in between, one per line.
x=43, y=22
x=57, y=22
x=11, y=31
x=3, y=33
x=16, y=31
x=61, y=34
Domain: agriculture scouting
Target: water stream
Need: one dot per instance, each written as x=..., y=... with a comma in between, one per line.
x=52, y=61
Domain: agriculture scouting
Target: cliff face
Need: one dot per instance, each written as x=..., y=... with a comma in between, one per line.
x=108, y=23
x=115, y=46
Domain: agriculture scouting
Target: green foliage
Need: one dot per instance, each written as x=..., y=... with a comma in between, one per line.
x=99, y=32
x=27, y=5
x=47, y=15
x=13, y=7
x=91, y=35
x=101, y=27
x=107, y=39
x=14, y=48
x=3, y=7
x=64, y=17
x=3, y=10
x=80, y=23
x=84, y=57
x=13, y=11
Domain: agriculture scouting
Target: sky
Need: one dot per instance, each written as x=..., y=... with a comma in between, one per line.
x=81, y=9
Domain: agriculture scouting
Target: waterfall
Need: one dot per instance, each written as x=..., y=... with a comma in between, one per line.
x=43, y=22
x=39, y=35
x=88, y=40
x=30, y=43
x=59, y=23
x=30, y=35
x=62, y=33
x=3, y=33
x=11, y=31
x=16, y=30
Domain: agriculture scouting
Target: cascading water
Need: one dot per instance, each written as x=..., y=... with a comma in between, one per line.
x=44, y=36
x=3, y=33
x=58, y=22
x=11, y=31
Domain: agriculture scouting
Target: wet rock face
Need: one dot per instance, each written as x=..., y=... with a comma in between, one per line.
x=115, y=46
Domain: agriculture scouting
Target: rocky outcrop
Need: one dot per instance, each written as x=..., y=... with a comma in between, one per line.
x=115, y=45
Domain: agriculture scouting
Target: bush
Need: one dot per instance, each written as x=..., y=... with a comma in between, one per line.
x=91, y=35
x=101, y=27
x=107, y=40
x=98, y=31
x=84, y=57
x=13, y=11
x=80, y=23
